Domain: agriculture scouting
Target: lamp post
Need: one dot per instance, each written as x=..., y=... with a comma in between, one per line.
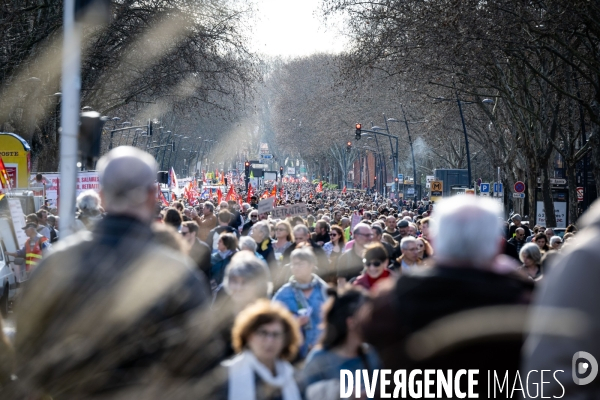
x=462, y=120
x=412, y=151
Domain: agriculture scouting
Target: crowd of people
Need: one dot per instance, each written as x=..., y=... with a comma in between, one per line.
x=215, y=300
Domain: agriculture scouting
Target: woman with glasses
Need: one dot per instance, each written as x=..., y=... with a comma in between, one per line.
x=341, y=346
x=265, y=336
x=335, y=246
x=284, y=239
x=304, y=295
x=375, y=261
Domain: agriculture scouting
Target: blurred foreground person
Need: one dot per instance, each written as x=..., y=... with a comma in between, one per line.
x=304, y=295
x=247, y=279
x=341, y=347
x=467, y=243
x=88, y=205
x=570, y=296
x=7, y=358
x=531, y=257
x=266, y=337
x=98, y=318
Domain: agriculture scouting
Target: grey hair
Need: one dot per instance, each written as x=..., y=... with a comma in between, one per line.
x=304, y=254
x=88, y=200
x=406, y=241
x=127, y=177
x=247, y=243
x=263, y=227
x=467, y=230
x=531, y=250
x=251, y=269
x=555, y=239
x=301, y=228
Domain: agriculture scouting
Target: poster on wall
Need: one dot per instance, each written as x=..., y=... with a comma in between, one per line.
x=560, y=210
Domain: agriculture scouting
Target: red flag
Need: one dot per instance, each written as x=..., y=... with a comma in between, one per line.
x=4, y=180
x=210, y=194
x=344, y=190
x=173, y=197
x=162, y=198
x=320, y=187
x=250, y=193
x=274, y=191
x=219, y=195
x=230, y=194
x=265, y=195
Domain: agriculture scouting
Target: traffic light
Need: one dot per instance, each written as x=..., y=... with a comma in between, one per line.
x=358, y=131
x=348, y=147
x=281, y=172
x=247, y=168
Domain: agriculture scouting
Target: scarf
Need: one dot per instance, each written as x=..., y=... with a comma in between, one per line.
x=225, y=254
x=242, y=384
x=301, y=300
x=372, y=281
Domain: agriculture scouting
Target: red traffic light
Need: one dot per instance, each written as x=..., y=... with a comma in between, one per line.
x=349, y=144
x=358, y=126
x=247, y=164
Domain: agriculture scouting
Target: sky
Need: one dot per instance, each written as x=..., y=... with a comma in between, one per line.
x=292, y=28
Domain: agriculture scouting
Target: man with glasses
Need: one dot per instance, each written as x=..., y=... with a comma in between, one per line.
x=350, y=264
x=519, y=240
x=409, y=260
x=252, y=219
x=197, y=250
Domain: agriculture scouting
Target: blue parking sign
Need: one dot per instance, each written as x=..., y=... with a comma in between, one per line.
x=484, y=188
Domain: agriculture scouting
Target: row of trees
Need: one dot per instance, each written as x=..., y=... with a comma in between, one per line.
x=178, y=60
x=539, y=61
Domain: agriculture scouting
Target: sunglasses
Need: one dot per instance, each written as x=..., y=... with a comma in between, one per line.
x=375, y=263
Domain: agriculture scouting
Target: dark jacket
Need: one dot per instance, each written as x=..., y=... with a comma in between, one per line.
x=200, y=253
x=124, y=297
x=427, y=295
x=265, y=249
x=349, y=265
x=217, y=268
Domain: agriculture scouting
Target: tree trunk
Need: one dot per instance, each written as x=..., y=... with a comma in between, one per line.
x=547, y=199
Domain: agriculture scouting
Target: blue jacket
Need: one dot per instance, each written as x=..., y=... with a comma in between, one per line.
x=316, y=299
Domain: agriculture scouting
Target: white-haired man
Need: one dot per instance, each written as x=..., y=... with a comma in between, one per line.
x=106, y=304
x=467, y=237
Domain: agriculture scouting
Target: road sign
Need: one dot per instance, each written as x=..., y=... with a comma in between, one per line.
x=484, y=188
x=554, y=181
x=266, y=155
x=430, y=178
x=400, y=177
x=519, y=195
x=410, y=191
x=259, y=166
x=579, y=194
x=437, y=189
x=519, y=187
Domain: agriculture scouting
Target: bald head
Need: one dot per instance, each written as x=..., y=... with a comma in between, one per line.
x=127, y=182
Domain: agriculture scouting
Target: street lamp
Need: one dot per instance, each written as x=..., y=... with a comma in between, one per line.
x=411, y=149
x=462, y=120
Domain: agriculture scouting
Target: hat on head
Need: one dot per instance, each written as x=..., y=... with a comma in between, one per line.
x=403, y=224
x=29, y=225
